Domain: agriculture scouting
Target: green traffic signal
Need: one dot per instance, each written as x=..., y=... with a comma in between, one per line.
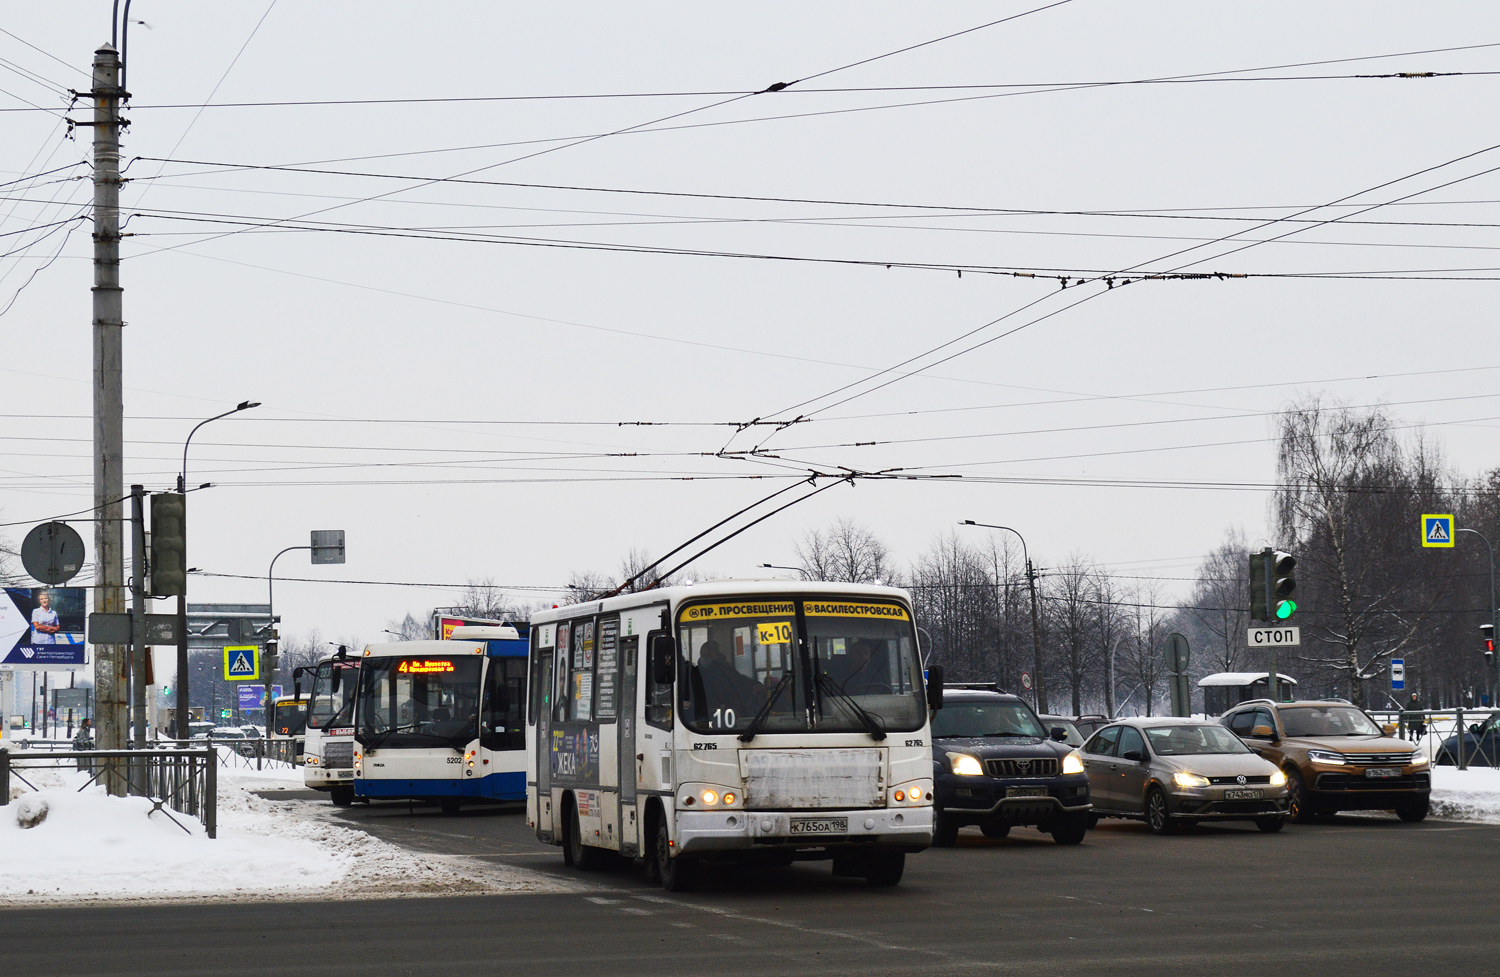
x=1285, y=609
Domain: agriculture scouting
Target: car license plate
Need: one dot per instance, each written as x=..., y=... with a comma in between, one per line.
x=1244, y=795
x=1025, y=792
x=1380, y=773
x=820, y=826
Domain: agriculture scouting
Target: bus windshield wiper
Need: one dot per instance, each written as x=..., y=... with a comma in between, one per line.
x=765, y=711
x=871, y=724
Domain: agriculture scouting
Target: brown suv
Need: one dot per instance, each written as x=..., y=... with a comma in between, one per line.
x=1336, y=758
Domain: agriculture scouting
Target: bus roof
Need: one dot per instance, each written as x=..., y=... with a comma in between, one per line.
x=720, y=588
x=404, y=649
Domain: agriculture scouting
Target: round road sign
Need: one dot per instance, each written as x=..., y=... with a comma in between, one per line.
x=52, y=552
x=1025, y=680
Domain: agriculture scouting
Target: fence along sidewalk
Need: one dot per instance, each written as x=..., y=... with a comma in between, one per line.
x=184, y=781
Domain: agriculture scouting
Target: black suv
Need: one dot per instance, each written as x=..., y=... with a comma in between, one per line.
x=994, y=765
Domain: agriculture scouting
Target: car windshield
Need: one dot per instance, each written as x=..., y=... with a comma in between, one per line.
x=1327, y=721
x=738, y=660
x=421, y=701
x=1190, y=740
x=985, y=719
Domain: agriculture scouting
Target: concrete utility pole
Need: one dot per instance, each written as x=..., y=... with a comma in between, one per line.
x=109, y=407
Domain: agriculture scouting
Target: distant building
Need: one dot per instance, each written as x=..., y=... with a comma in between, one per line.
x=1223, y=691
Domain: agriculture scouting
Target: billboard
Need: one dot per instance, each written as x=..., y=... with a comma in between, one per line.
x=43, y=627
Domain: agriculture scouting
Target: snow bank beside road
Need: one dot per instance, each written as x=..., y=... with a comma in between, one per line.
x=1466, y=795
x=91, y=847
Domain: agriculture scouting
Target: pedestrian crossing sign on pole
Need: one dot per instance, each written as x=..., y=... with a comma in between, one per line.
x=242, y=663
x=1437, y=531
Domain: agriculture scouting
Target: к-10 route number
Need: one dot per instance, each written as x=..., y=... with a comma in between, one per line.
x=1272, y=637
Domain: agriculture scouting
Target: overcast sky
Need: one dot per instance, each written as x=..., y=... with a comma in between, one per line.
x=461, y=398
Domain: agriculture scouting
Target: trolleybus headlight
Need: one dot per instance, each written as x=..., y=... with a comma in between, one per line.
x=710, y=797
x=1278, y=778
x=965, y=765
x=1072, y=763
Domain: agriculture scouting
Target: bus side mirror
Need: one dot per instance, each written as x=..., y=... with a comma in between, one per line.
x=663, y=651
x=935, y=687
x=336, y=679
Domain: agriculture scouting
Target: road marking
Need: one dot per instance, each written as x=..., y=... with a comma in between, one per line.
x=813, y=930
x=635, y=911
x=600, y=900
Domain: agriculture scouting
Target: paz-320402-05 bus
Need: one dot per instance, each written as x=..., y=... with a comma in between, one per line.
x=755, y=721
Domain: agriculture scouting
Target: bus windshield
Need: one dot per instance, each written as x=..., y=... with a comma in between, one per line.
x=291, y=718
x=331, y=702
x=421, y=701
x=739, y=661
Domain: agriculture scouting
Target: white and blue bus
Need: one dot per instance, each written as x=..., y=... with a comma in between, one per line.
x=741, y=721
x=443, y=721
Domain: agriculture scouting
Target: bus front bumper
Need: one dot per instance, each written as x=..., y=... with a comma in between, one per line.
x=907, y=828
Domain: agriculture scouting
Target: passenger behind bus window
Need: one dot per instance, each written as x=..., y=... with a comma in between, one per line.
x=860, y=670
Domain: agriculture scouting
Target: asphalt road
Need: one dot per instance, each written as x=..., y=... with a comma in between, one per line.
x=1355, y=896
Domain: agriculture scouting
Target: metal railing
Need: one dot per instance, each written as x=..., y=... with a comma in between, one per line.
x=181, y=780
x=1438, y=731
x=246, y=753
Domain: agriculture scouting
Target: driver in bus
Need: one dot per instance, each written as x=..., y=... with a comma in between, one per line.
x=858, y=671
x=717, y=684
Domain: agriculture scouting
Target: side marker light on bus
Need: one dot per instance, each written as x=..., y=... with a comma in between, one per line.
x=900, y=795
x=729, y=797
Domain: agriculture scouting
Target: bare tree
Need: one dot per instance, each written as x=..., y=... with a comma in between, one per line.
x=1070, y=598
x=846, y=552
x=410, y=628
x=1217, y=614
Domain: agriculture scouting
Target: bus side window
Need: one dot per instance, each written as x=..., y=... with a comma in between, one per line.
x=658, y=694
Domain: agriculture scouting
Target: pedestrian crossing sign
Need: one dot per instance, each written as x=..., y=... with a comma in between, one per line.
x=242, y=663
x=1437, y=531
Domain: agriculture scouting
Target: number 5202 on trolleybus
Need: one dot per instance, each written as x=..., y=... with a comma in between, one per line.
x=750, y=721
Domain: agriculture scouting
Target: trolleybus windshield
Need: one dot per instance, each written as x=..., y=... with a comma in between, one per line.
x=421, y=701
x=740, y=660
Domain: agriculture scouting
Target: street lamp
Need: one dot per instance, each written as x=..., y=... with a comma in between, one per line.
x=1036, y=627
x=183, y=712
x=797, y=570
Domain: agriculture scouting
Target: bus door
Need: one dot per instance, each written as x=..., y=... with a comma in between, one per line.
x=627, y=770
x=606, y=716
x=543, y=695
x=501, y=734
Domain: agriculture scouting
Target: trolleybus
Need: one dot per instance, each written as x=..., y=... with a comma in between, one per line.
x=441, y=721
x=752, y=721
x=328, y=742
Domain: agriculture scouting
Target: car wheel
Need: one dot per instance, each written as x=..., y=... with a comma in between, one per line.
x=944, y=828
x=994, y=829
x=1445, y=759
x=1270, y=825
x=675, y=874
x=885, y=867
x=1158, y=815
x=584, y=857
x=1297, y=804
x=1070, y=830
x=342, y=796
x=1413, y=812
x=1093, y=821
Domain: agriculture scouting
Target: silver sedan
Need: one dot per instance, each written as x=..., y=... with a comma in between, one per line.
x=1176, y=772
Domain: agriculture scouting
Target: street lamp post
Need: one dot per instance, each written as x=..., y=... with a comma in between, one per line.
x=1494, y=613
x=797, y=570
x=1040, y=686
x=183, y=712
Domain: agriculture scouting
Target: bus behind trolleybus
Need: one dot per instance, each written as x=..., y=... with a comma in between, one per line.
x=743, y=721
x=328, y=741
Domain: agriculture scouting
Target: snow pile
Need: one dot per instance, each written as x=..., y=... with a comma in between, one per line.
x=92, y=847
x=1466, y=795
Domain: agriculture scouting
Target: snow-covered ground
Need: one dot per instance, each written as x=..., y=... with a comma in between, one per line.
x=91, y=847
x=1466, y=795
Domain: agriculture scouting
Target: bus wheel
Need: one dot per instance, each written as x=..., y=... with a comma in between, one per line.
x=885, y=867
x=581, y=856
x=676, y=874
x=343, y=796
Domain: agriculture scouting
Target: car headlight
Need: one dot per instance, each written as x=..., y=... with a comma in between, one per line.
x=1278, y=779
x=1419, y=760
x=965, y=765
x=1323, y=756
x=1072, y=763
x=1182, y=779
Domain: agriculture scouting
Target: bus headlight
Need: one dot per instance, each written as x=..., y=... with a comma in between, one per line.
x=965, y=765
x=1072, y=763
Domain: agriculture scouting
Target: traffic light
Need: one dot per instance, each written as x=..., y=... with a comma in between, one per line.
x=1260, y=606
x=1487, y=637
x=168, y=544
x=1282, y=585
